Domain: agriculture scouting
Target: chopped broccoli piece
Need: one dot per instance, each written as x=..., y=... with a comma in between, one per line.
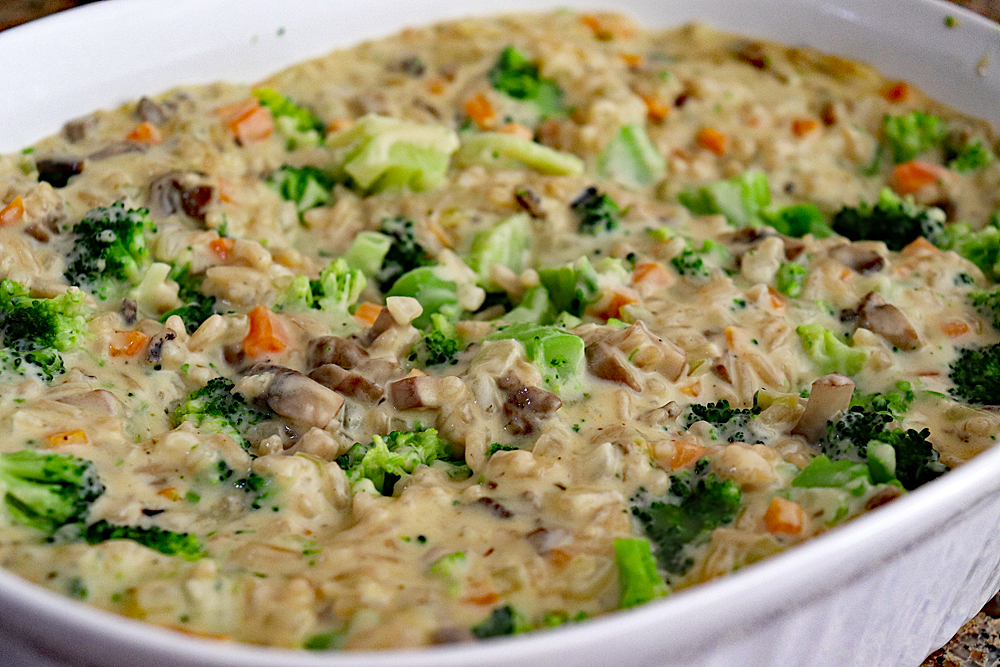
x=554, y=619
x=987, y=304
x=638, y=579
x=535, y=307
x=981, y=247
x=695, y=505
x=693, y=262
x=840, y=474
x=596, y=211
x=367, y=252
x=405, y=252
x=828, y=352
x=109, y=248
x=47, y=491
x=976, y=375
x=789, y=279
x=505, y=243
x=498, y=150
x=505, y=620
x=35, y=331
x=740, y=199
x=895, y=221
x=797, y=220
x=895, y=402
x=558, y=355
x=451, y=568
x=911, y=134
x=376, y=466
x=516, y=76
x=297, y=125
x=197, y=307
x=968, y=156
x=440, y=344
x=436, y=293
x=217, y=408
x=307, y=187
x=333, y=293
x=631, y=158
x=497, y=447
x=167, y=542
x=379, y=153
x=728, y=424
x=570, y=288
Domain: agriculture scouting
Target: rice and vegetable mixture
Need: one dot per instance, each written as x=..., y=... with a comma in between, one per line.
x=486, y=327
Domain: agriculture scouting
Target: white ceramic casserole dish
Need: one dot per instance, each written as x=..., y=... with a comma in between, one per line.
x=884, y=590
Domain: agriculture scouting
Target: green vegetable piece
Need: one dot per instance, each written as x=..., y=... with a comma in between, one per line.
x=797, y=220
x=596, y=211
x=693, y=262
x=498, y=150
x=405, y=253
x=558, y=355
x=828, y=352
x=822, y=472
x=790, y=278
x=506, y=243
x=638, y=578
x=380, y=153
x=967, y=156
x=740, y=199
x=893, y=220
x=109, y=249
x=167, y=542
x=322, y=641
x=881, y=462
x=981, y=247
x=217, y=408
x=296, y=124
x=451, y=568
x=367, y=252
x=435, y=294
x=375, y=467
x=535, y=307
x=728, y=424
x=197, y=307
x=441, y=343
x=911, y=134
x=505, y=620
x=631, y=158
x=516, y=76
x=895, y=402
x=976, y=375
x=307, y=187
x=35, y=331
x=571, y=288
x=47, y=491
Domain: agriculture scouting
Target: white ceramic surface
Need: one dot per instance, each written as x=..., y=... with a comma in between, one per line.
x=882, y=591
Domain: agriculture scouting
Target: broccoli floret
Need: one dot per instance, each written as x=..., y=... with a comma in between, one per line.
x=376, y=466
x=433, y=287
x=896, y=402
x=829, y=353
x=515, y=75
x=332, y=294
x=35, y=331
x=638, y=579
x=740, y=199
x=693, y=262
x=307, y=187
x=167, y=542
x=976, y=375
x=728, y=424
x=632, y=159
x=570, y=288
x=557, y=354
x=696, y=505
x=911, y=134
x=893, y=220
x=109, y=248
x=405, y=253
x=968, y=156
x=596, y=212
x=47, y=491
x=797, y=220
x=440, y=344
x=789, y=279
x=987, y=304
x=505, y=620
x=197, y=307
x=217, y=408
x=296, y=124
x=499, y=150
x=982, y=247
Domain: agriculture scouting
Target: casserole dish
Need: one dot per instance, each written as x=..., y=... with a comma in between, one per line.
x=855, y=566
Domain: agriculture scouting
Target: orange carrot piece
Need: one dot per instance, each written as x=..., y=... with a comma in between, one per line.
x=247, y=120
x=777, y=299
x=713, y=140
x=656, y=110
x=910, y=176
x=222, y=247
x=484, y=599
x=367, y=313
x=917, y=246
x=145, y=133
x=127, y=343
x=12, y=212
x=75, y=436
x=170, y=493
x=518, y=130
x=265, y=334
x=784, y=516
x=479, y=109
x=338, y=125
x=607, y=27
x=633, y=60
x=954, y=328
x=685, y=453
x=650, y=273
x=803, y=126
x=611, y=304
x=897, y=92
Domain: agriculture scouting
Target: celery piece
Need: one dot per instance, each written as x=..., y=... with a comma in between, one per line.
x=631, y=158
x=822, y=472
x=740, y=199
x=506, y=243
x=435, y=294
x=881, y=462
x=828, y=352
x=367, y=252
x=558, y=355
x=380, y=153
x=501, y=151
x=638, y=579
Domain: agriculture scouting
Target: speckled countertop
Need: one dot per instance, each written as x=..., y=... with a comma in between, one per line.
x=977, y=644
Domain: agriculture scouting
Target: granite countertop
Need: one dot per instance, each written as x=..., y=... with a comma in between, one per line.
x=977, y=644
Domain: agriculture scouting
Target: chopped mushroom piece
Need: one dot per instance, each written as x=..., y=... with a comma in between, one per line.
x=644, y=349
x=98, y=400
x=291, y=394
x=335, y=350
x=858, y=258
x=605, y=363
x=175, y=192
x=830, y=395
x=347, y=383
x=884, y=319
x=526, y=407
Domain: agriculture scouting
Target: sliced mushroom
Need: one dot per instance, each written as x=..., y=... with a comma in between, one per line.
x=155, y=351
x=75, y=131
x=529, y=201
x=335, y=350
x=382, y=324
x=56, y=171
x=174, y=192
x=830, y=395
x=752, y=53
x=347, y=383
x=858, y=258
x=152, y=112
x=129, y=310
x=43, y=230
x=526, y=407
x=291, y=394
x=118, y=148
x=884, y=319
x=99, y=400
x=648, y=351
x=495, y=508
x=414, y=392
x=605, y=363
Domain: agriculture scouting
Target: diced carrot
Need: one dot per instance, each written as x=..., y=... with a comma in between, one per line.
x=435, y=86
x=803, y=126
x=910, y=176
x=713, y=140
x=247, y=120
x=651, y=273
x=484, y=599
x=265, y=334
x=656, y=110
x=918, y=246
x=73, y=437
x=954, y=328
x=127, y=343
x=633, y=60
x=222, y=247
x=12, y=212
x=480, y=111
x=784, y=516
x=607, y=27
x=685, y=453
x=612, y=302
x=236, y=109
x=170, y=493
x=518, y=130
x=145, y=133
x=367, y=313
x=897, y=92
